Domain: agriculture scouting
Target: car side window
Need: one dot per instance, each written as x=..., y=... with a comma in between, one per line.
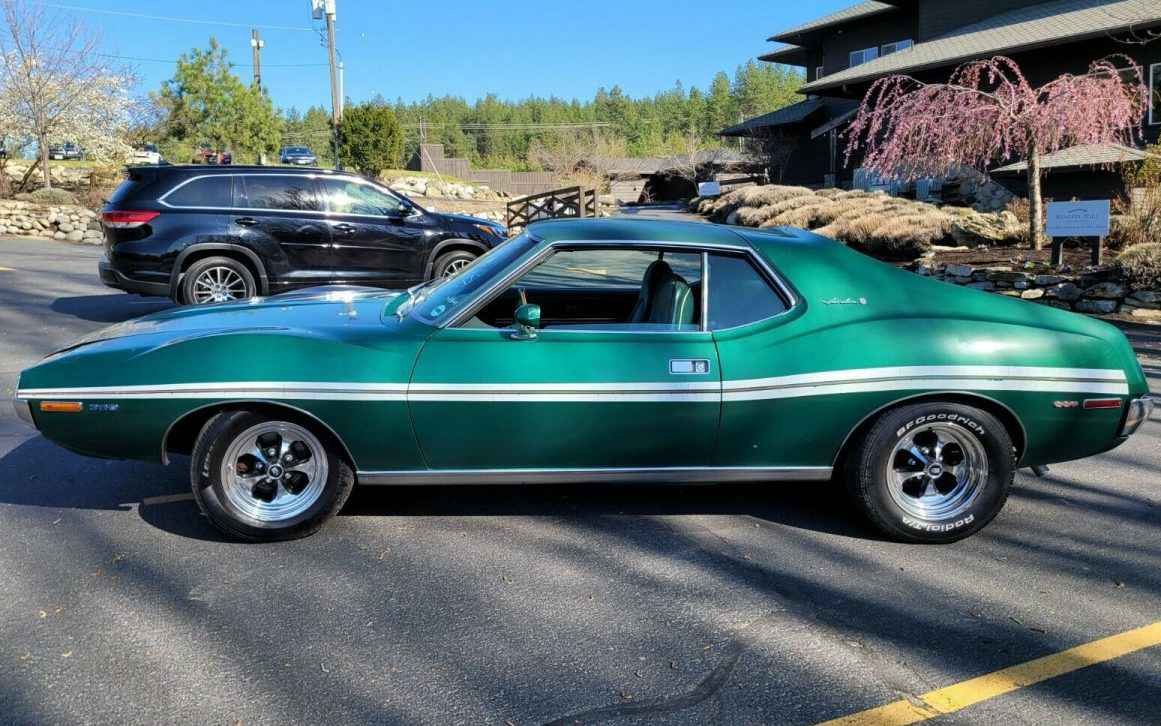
x=208, y=191
x=739, y=294
x=606, y=290
x=277, y=191
x=349, y=197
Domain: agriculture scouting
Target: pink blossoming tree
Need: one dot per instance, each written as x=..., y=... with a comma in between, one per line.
x=988, y=113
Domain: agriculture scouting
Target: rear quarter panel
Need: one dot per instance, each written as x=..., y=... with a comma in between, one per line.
x=908, y=321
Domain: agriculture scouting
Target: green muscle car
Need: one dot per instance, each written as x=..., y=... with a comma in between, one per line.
x=606, y=350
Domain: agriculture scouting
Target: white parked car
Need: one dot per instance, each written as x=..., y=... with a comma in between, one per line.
x=145, y=154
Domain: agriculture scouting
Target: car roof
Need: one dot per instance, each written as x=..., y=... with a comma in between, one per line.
x=242, y=168
x=656, y=230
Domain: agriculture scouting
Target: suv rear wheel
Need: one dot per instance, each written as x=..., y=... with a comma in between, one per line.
x=215, y=280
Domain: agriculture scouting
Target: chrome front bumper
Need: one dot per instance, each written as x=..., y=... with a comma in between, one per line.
x=23, y=411
x=1139, y=411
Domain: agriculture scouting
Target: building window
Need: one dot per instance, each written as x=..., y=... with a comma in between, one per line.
x=862, y=56
x=897, y=46
x=817, y=72
x=1155, y=94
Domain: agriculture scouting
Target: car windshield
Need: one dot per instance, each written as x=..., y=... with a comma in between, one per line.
x=298, y=150
x=439, y=299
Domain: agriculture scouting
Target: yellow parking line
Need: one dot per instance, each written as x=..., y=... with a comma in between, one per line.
x=961, y=695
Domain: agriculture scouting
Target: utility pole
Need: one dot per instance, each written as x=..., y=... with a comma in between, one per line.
x=256, y=44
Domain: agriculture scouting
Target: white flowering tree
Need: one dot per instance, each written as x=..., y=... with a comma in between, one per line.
x=55, y=86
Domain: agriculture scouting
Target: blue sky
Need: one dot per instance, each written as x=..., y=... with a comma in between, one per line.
x=410, y=49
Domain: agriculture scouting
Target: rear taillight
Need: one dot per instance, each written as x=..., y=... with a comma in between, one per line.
x=128, y=220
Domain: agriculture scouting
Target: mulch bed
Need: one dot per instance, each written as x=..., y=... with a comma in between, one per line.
x=1075, y=258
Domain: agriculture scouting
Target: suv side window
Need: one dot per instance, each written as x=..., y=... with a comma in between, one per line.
x=278, y=191
x=739, y=294
x=350, y=197
x=207, y=191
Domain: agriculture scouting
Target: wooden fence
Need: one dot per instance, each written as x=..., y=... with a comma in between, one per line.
x=567, y=202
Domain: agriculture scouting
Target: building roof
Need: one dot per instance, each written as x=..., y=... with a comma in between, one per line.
x=795, y=113
x=1083, y=156
x=1047, y=23
x=789, y=54
x=646, y=166
x=854, y=12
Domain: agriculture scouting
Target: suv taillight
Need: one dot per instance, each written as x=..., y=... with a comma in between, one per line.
x=128, y=220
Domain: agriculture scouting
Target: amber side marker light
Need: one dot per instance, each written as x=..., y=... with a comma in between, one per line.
x=1102, y=403
x=62, y=406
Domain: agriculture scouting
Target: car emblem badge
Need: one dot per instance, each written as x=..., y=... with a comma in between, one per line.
x=106, y=407
x=845, y=301
x=1064, y=404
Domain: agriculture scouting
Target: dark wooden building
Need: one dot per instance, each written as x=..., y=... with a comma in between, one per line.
x=843, y=53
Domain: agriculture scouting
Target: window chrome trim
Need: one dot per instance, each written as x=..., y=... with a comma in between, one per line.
x=1155, y=94
x=704, y=291
x=692, y=474
x=313, y=176
x=485, y=296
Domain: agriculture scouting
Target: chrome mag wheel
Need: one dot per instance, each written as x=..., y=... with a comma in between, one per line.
x=937, y=471
x=218, y=284
x=274, y=471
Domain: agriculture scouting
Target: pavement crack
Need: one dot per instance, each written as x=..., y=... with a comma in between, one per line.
x=710, y=685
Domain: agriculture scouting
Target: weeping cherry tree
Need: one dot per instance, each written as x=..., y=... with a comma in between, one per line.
x=987, y=113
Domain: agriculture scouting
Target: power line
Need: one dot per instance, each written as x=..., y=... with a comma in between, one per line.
x=171, y=19
x=167, y=60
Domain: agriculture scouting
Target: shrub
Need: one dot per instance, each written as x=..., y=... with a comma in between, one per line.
x=1140, y=266
x=1138, y=222
x=48, y=196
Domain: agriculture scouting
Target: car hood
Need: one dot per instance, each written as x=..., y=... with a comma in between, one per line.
x=316, y=310
x=466, y=219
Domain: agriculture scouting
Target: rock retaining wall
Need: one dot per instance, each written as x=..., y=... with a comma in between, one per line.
x=1097, y=292
x=27, y=219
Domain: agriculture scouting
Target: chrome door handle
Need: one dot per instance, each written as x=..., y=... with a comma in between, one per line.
x=689, y=366
x=344, y=228
x=247, y=221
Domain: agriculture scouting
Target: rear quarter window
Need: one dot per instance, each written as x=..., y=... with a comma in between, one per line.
x=207, y=191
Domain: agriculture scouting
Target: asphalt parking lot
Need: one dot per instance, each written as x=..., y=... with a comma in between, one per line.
x=738, y=604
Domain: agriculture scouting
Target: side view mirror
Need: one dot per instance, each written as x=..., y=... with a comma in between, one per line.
x=527, y=321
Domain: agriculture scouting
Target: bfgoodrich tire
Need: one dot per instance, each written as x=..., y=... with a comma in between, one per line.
x=261, y=478
x=932, y=472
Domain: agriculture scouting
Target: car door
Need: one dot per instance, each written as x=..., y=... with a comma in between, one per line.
x=376, y=239
x=280, y=217
x=589, y=393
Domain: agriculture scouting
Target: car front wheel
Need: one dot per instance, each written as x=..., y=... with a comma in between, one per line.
x=263, y=478
x=452, y=262
x=932, y=472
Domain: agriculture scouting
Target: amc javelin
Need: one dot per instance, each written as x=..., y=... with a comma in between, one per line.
x=606, y=351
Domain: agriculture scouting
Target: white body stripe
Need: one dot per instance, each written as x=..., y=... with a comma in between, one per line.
x=861, y=380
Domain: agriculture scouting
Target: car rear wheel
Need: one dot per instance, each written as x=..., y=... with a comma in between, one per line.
x=932, y=472
x=215, y=280
x=452, y=262
x=263, y=478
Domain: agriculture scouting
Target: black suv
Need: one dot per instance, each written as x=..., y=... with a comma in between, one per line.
x=204, y=234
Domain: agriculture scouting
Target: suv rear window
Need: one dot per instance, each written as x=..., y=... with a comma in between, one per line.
x=276, y=191
x=206, y=191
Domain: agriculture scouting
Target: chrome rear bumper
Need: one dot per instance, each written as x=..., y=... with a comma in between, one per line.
x=1139, y=411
